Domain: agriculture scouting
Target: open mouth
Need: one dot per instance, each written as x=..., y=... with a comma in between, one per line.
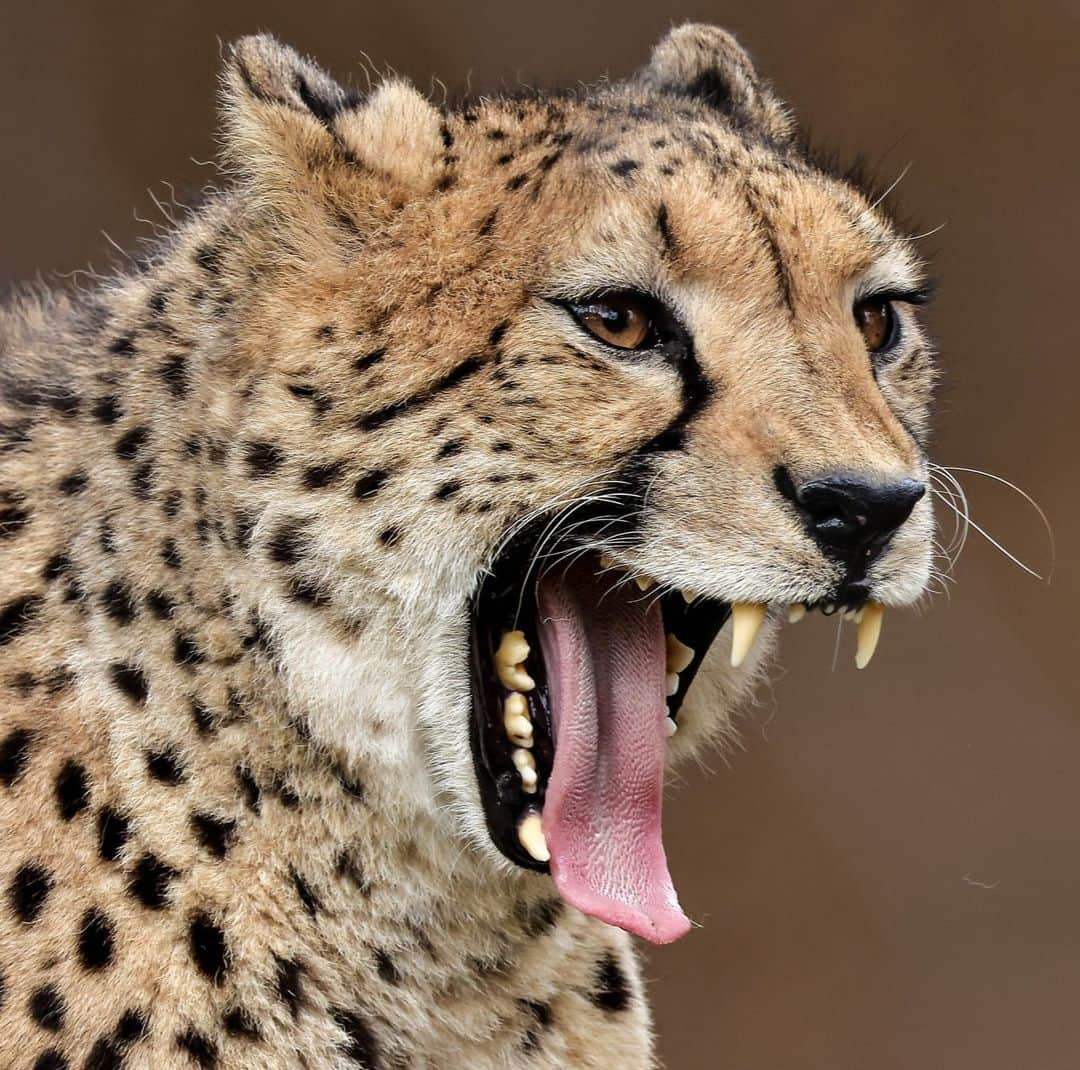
x=578, y=677
x=578, y=674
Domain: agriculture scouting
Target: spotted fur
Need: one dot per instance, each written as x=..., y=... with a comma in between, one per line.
x=246, y=493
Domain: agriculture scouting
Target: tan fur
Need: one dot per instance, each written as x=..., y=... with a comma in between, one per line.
x=245, y=496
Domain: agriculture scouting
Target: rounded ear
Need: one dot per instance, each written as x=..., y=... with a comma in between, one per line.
x=707, y=64
x=288, y=123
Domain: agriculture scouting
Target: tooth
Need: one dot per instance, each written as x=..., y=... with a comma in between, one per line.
x=644, y=583
x=671, y=682
x=525, y=764
x=513, y=650
x=607, y=561
x=869, y=633
x=679, y=655
x=519, y=729
x=746, y=618
x=689, y=596
x=796, y=612
x=671, y=726
x=531, y=836
x=849, y=614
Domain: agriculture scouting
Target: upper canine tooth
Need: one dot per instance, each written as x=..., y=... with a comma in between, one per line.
x=869, y=633
x=531, y=836
x=644, y=583
x=679, y=655
x=607, y=561
x=746, y=620
x=513, y=650
x=688, y=596
x=671, y=726
x=796, y=612
x=671, y=684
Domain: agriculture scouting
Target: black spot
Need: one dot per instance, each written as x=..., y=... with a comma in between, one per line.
x=386, y=967
x=250, y=788
x=447, y=489
x=540, y=1013
x=28, y=891
x=208, y=948
x=186, y=650
x=214, y=833
x=203, y=718
x=104, y=1055
x=239, y=1023
x=15, y=616
x=14, y=752
x=323, y=475
x=289, y=543
x=245, y=528
x=209, y=259
x=390, y=536
x=165, y=765
x=611, y=991
x=73, y=483
x=12, y=521
x=131, y=680
x=107, y=538
x=307, y=896
x=118, y=603
x=308, y=592
x=174, y=372
x=539, y=918
x=142, y=480
x=360, y=1044
x=51, y=1060
x=369, y=360
x=368, y=484
x=47, y=1008
x=72, y=790
x=625, y=167
x=450, y=448
x=348, y=865
x=170, y=554
x=326, y=333
x=55, y=567
x=133, y=1025
x=351, y=785
x=129, y=444
x=113, y=832
x=199, y=1046
x=160, y=604
x=502, y=446
x=96, y=938
x=263, y=459
x=288, y=982
x=489, y=222
x=123, y=346
x=150, y=880
x=107, y=409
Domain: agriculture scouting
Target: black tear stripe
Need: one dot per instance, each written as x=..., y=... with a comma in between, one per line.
x=667, y=235
x=374, y=420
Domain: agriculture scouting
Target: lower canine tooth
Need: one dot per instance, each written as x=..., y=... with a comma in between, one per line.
x=746, y=620
x=531, y=836
x=869, y=633
x=671, y=726
x=679, y=655
x=525, y=764
x=796, y=612
x=672, y=684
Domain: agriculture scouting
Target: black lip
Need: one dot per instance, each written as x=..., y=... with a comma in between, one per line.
x=505, y=599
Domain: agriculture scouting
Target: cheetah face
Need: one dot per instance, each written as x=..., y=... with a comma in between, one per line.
x=642, y=379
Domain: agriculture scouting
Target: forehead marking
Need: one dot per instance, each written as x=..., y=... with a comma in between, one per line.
x=764, y=227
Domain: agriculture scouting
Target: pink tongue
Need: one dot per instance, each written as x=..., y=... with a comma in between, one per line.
x=604, y=654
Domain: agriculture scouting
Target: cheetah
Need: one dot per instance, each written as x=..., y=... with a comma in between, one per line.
x=372, y=548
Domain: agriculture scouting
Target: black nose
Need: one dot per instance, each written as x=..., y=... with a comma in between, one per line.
x=850, y=516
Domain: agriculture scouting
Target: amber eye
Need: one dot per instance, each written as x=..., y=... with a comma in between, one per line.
x=876, y=318
x=623, y=320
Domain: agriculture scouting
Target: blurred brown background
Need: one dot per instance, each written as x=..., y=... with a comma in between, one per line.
x=889, y=875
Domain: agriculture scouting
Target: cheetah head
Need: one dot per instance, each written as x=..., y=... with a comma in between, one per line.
x=621, y=376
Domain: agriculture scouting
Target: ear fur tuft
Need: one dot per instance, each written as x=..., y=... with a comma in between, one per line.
x=707, y=64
